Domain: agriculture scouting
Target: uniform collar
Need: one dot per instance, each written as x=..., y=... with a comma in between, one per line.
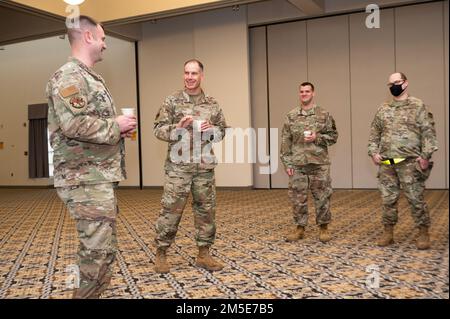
x=395, y=103
x=86, y=68
x=187, y=96
x=309, y=112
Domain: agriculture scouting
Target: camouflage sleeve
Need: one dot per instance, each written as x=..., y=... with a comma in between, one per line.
x=329, y=135
x=163, y=127
x=219, y=123
x=429, y=141
x=70, y=102
x=286, y=144
x=374, y=136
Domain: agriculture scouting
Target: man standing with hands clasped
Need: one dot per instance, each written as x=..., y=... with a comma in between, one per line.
x=308, y=130
x=402, y=141
x=87, y=138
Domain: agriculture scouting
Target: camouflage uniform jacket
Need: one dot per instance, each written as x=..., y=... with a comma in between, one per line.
x=294, y=150
x=174, y=108
x=84, y=135
x=403, y=129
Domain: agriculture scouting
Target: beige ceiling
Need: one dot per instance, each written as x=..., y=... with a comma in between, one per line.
x=111, y=10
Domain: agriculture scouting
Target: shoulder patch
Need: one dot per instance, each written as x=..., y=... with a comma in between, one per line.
x=69, y=91
x=77, y=102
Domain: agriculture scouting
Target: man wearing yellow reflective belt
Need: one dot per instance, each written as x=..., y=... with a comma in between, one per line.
x=392, y=161
x=402, y=141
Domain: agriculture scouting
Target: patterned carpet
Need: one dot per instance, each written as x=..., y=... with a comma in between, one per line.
x=38, y=241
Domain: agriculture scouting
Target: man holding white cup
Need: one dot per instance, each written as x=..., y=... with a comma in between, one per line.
x=89, y=154
x=308, y=130
x=190, y=121
x=131, y=113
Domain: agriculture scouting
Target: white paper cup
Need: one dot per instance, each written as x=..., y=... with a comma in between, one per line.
x=197, y=125
x=128, y=111
x=307, y=133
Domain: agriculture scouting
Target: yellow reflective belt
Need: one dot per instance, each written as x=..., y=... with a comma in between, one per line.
x=392, y=161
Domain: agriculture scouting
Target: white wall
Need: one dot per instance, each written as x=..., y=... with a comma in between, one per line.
x=423, y=61
x=372, y=60
x=350, y=65
x=25, y=69
x=218, y=39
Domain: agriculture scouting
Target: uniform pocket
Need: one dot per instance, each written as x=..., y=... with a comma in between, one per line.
x=424, y=173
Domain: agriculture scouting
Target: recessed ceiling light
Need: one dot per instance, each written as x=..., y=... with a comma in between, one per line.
x=74, y=2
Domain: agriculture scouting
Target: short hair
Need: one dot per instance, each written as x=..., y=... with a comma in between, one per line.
x=403, y=76
x=308, y=83
x=200, y=64
x=84, y=23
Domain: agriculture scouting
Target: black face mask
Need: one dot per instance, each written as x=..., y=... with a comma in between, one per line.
x=396, y=89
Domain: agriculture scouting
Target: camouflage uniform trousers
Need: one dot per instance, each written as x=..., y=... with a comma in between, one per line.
x=411, y=178
x=94, y=208
x=317, y=178
x=177, y=187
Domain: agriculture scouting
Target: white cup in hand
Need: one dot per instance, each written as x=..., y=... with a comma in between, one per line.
x=128, y=111
x=307, y=133
x=197, y=125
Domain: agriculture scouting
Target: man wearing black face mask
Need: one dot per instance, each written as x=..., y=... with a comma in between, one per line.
x=402, y=140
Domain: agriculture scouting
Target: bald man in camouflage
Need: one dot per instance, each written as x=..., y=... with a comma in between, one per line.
x=190, y=121
x=307, y=132
x=402, y=141
x=87, y=139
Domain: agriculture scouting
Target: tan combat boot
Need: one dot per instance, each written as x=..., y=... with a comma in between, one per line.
x=204, y=260
x=161, y=265
x=297, y=234
x=423, y=241
x=324, y=234
x=388, y=236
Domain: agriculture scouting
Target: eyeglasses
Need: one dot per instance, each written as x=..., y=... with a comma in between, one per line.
x=398, y=82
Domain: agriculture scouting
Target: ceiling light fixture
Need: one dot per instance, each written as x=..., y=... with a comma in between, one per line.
x=74, y=2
